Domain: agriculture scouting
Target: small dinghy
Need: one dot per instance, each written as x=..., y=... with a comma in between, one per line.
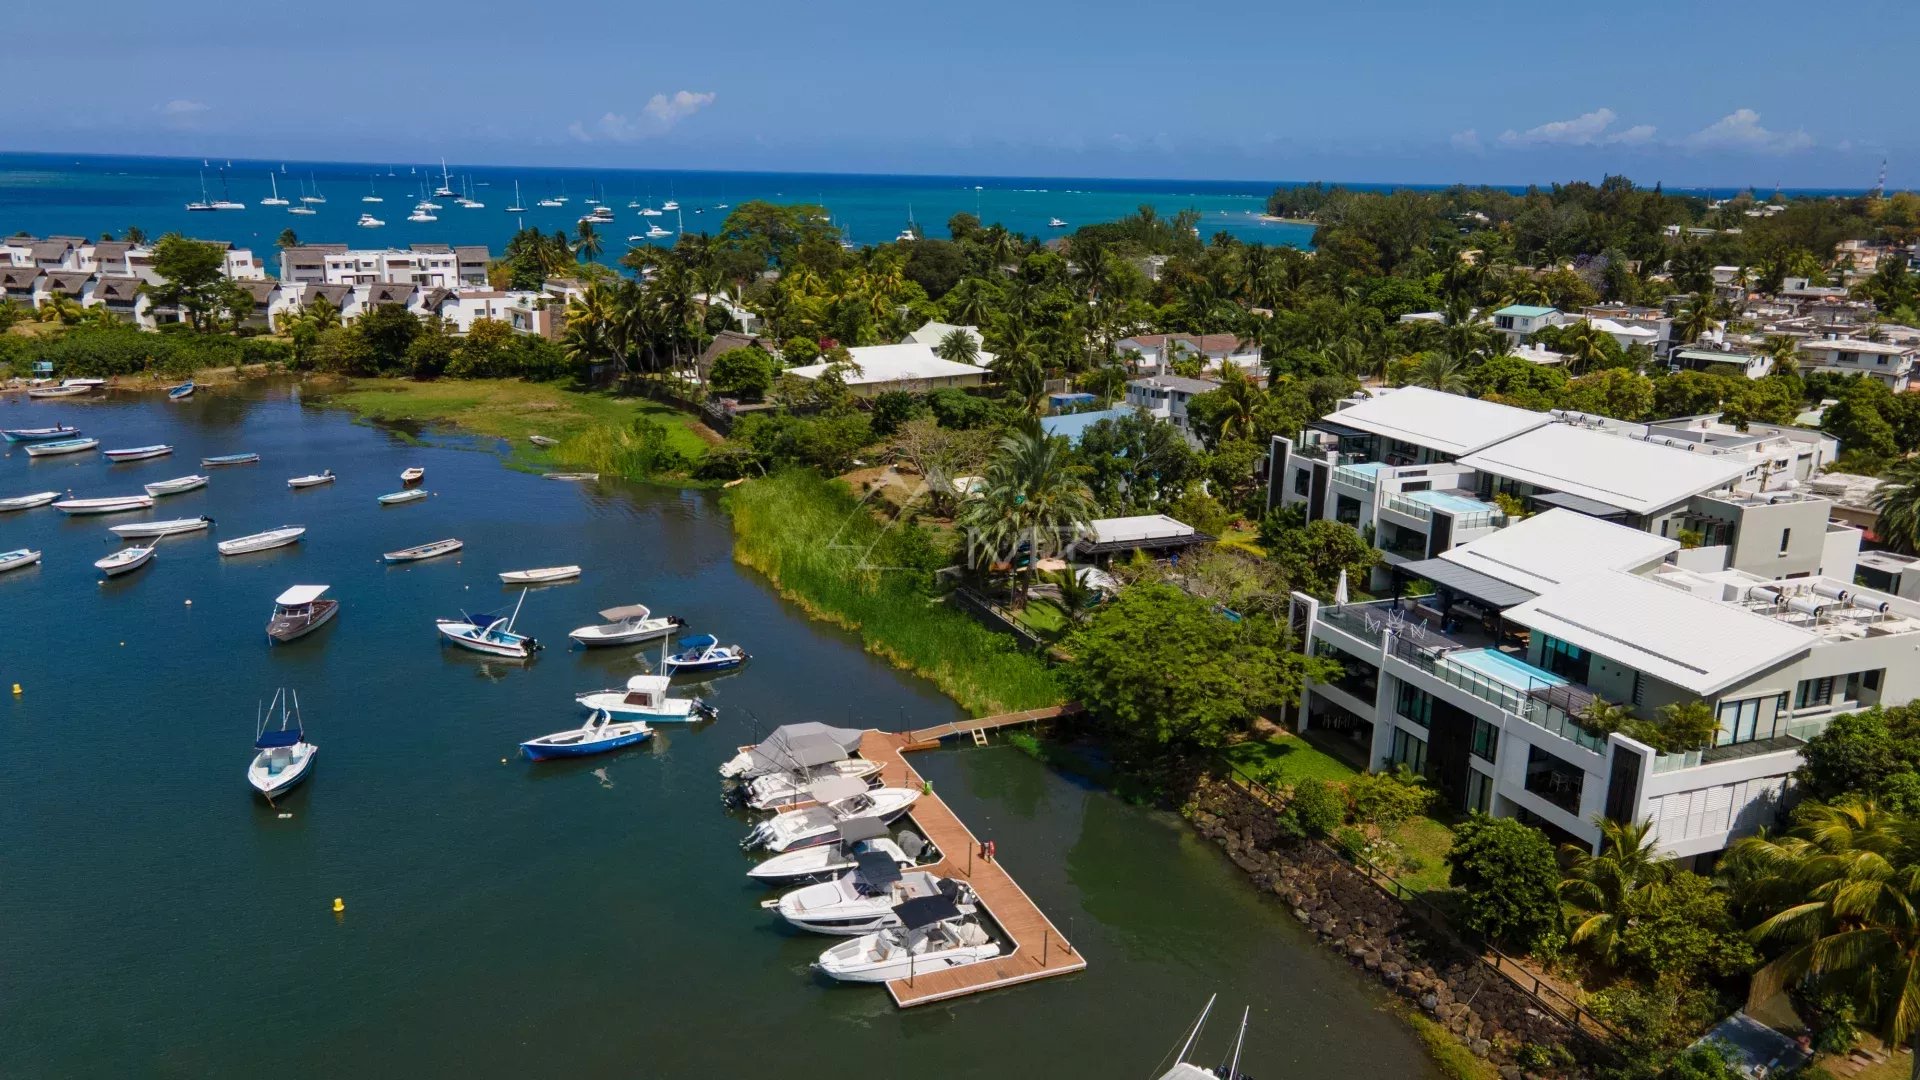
x=282, y=758
x=65, y=390
x=645, y=698
x=542, y=440
x=229, y=459
x=490, y=634
x=126, y=560
x=312, y=480
x=581, y=477
x=413, y=475
x=544, y=576
x=424, y=551
x=598, y=735
x=703, y=652
x=300, y=611
x=40, y=434
x=139, y=453
x=851, y=840
x=176, y=486
x=866, y=899
x=839, y=799
x=626, y=626
x=61, y=446
x=933, y=935
x=263, y=541
x=14, y=560
x=182, y=392
x=28, y=502
x=117, y=505
x=173, y=527
x=398, y=497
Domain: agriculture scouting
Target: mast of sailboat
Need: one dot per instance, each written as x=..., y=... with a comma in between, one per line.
x=1233, y=1069
x=1194, y=1035
x=516, y=610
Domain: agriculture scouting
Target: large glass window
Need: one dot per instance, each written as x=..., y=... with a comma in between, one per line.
x=1409, y=750
x=1486, y=739
x=1740, y=720
x=1570, y=662
x=1554, y=780
x=1812, y=693
x=1414, y=704
x=1479, y=792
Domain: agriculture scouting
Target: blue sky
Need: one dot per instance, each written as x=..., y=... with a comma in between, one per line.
x=1682, y=92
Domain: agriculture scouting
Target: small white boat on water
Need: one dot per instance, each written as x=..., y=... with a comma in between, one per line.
x=126, y=560
x=1183, y=1069
x=627, y=625
x=62, y=391
x=578, y=477
x=283, y=757
x=851, y=840
x=933, y=935
x=543, y=440
x=43, y=434
x=398, y=497
x=490, y=634
x=645, y=698
x=1056, y=223
x=792, y=746
x=424, y=551
x=176, y=485
x=161, y=528
x=263, y=541
x=28, y=502
x=14, y=560
x=138, y=453
x=117, y=505
x=311, y=480
x=413, y=475
x=866, y=899
x=229, y=459
x=61, y=446
x=546, y=575
x=600, y=734
x=839, y=799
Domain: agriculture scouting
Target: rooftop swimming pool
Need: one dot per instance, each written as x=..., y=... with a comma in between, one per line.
x=1456, y=504
x=1505, y=669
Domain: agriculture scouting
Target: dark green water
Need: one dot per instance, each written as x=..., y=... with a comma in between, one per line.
x=506, y=920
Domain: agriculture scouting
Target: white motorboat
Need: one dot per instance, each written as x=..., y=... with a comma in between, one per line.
x=599, y=735
x=63, y=390
x=645, y=698
x=413, y=475
x=161, y=528
x=934, y=935
x=176, y=485
x=300, y=611
x=546, y=575
x=368, y=221
x=424, y=551
x=263, y=541
x=138, y=453
x=28, y=502
x=792, y=746
x=398, y=497
x=311, y=480
x=669, y=205
x=282, y=757
x=656, y=232
x=627, y=625
x=1056, y=223
x=840, y=798
x=61, y=446
x=865, y=899
x=126, y=560
x=423, y=215
x=14, y=560
x=851, y=839
x=781, y=789
x=117, y=505
x=490, y=634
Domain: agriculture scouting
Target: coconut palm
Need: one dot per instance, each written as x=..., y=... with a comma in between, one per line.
x=1784, y=349
x=1442, y=372
x=1609, y=890
x=1897, y=502
x=1695, y=318
x=1241, y=402
x=1033, y=498
x=1841, y=894
x=1585, y=345
x=958, y=346
x=586, y=242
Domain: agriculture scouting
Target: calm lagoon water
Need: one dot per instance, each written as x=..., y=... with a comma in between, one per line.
x=506, y=920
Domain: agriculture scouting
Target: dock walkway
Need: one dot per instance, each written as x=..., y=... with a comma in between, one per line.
x=924, y=738
x=1035, y=948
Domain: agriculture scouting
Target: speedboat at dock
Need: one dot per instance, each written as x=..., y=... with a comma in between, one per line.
x=792, y=746
x=840, y=798
x=852, y=838
x=864, y=899
x=933, y=935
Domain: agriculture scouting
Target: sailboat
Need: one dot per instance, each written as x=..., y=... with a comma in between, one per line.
x=283, y=758
x=303, y=209
x=445, y=190
x=225, y=201
x=911, y=232
x=468, y=200
x=315, y=196
x=516, y=208
x=1228, y=1070
x=204, y=203
x=274, y=199
x=372, y=195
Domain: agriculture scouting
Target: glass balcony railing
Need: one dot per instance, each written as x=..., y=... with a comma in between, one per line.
x=1354, y=479
x=1510, y=700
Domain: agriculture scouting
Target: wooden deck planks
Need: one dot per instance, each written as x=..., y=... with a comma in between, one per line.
x=921, y=738
x=1037, y=949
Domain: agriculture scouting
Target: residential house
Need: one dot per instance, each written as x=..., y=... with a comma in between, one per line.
x=913, y=367
x=430, y=265
x=1889, y=362
x=738, y=315
x=724, y=342
x=122, y=295
x=1153, y=354
x=1521, y=321
x=1073, y=425
x=1719, y=359
x=19, y=283
x=70, y=284
x=1165, y=397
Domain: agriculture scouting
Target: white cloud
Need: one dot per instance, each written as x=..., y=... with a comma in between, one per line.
x=656, y=117
x=1741, y=130
x=1588, y=129
x=1468, y=140
x=182, y=107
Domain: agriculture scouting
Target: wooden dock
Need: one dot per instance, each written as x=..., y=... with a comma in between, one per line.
x=928, y=738
x=1035, y=948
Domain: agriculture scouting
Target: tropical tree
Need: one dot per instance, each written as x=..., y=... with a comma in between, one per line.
x=1034, y=498
x=1897, y=504
x=1611, y=889
x=1784, y=350
x=1585, y=345
x=1441, y=371
x=958, y=346
x=586, y=242
x=1695, y=318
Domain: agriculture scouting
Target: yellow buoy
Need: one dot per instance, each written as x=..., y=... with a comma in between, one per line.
x=16, y=689
x=339, y=905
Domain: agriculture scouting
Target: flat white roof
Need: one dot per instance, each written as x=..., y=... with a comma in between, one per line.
x=933, y=333
x=1142, y=527
x=894, y=363
x=1693, y=642
x=1560, y=546
x=1449, y=423
x=1636, y=476
x=300, y=594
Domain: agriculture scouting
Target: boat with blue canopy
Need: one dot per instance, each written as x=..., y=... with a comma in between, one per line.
x=490, y=634
x=703, y=652
x=283, y=757
x=600, y=734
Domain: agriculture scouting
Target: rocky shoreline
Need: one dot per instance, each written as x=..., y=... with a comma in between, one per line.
x=1377, y=934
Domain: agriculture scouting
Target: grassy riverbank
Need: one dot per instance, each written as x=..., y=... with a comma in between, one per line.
x=597, y=431
x=828, y=554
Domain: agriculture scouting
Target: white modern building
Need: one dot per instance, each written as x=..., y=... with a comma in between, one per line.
x=429, y=265
x=1154, y=354
x=1165, y=397
x=1521, y=321
x=1889, y=362
x=879, y=368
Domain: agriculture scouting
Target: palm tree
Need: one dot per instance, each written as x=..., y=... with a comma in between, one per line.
x=1613, y=888
x=1241, y=402
x=586, y=242
x=1785, y=351
x=1439, y=371
x=1897, y=502
x=1842, y=893
x=1585, y=345
x=1033, y=497
x=1695, y=318
x=136, y=235
x=958, y=346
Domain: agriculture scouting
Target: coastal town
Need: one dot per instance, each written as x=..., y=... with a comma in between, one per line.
x=1520, y=587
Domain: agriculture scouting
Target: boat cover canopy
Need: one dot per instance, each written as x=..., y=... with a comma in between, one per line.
x=854, y=830
x=835, y=788
x=621, y=614
x=268, y=740
x=923, y=911
x=699, y=642
x=300, y=595
x=648, y=682
x=803, y=746
x=876, y=868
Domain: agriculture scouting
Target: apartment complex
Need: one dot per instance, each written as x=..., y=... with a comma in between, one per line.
x=436, y=266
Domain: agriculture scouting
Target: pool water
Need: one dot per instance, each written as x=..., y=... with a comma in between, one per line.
x=1505, y=669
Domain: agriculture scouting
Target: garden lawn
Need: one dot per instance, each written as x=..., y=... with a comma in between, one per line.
x=1287, y=760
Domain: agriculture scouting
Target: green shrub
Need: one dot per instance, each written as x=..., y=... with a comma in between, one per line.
x=1388, y=800
x=1509, y=878
x=1316, y=809
x=745, y=372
